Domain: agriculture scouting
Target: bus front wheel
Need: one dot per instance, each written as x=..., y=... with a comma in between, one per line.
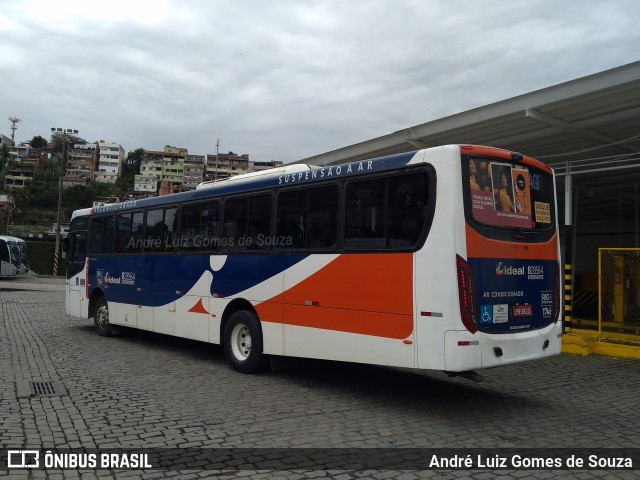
x=101, y=318
x=243, y=342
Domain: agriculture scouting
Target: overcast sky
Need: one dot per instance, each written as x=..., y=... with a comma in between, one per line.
x=288, y=79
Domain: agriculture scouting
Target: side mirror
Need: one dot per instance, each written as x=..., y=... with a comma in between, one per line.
x=65, y=245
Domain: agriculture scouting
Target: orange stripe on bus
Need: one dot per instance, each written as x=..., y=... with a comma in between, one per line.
x=482, y=247
x=503, y=154
x=370, y=294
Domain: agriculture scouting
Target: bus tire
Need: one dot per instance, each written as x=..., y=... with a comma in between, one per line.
x=243, y=342
x=101, y=318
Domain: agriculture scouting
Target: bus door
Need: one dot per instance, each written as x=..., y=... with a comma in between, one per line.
x=24, y=257
x=118, y=274
x=157, y=273
x=77, y=304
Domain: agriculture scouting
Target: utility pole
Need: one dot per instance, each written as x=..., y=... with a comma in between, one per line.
x=64, y=133
x=14, y=121
x=215, y=175
x=10, y=206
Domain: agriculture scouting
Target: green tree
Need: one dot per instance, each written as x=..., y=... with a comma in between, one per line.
x=59, y=138
x=77, y=196
x=5, y=156
x=130, y=168
x=38, y=142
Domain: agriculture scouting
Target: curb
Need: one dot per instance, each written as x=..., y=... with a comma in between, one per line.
x=587, y=343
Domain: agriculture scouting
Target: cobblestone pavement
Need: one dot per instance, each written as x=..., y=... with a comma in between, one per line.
x=148, y=390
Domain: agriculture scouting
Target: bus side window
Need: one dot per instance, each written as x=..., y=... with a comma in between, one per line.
x=190, y=229
x=153, y=235
x=386, y=213
x=79, y=249
x=129, y=232
x=234, y=231
x=96, y=235
x=209, y=219
x=259, y=227
x=291, y=218
x=323, y=217
x=137, y=224
x=407, y=209
x=364, y=216
x=170, y=230
x=123, y=231
x=107, y=239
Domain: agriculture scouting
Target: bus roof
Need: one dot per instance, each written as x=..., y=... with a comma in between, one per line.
x=289, y=175
x=7, y=238
x=248, y=177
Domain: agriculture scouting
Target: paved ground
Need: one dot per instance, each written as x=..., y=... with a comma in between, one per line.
x=143, y=390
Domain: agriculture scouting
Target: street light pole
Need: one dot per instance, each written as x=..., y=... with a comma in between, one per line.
x=64, y=133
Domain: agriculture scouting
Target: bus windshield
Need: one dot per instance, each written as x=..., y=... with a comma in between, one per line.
x=510, y=195
x=14, y=251
x=24, y=258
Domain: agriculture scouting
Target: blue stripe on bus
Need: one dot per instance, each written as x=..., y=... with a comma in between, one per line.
x=523, y=291
x=152, y=281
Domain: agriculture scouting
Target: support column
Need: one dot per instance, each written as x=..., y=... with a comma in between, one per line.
x=568, y=254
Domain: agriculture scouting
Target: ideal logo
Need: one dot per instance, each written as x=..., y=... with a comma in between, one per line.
x=514, y=271
x=112, y=280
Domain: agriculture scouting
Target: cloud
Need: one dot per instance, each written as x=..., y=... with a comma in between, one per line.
x=288, y=79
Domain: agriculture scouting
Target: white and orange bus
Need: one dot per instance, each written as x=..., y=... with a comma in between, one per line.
x=445, y=258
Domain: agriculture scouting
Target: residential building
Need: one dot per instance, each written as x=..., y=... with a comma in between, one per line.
x=19, y=152
x=110, y=160
x=193, y=172
x=172, y=169
x=145, y=185
x=81, y=164
x=18, y=175
x=225, y=165
x=146, y=182
x=36, y=159
x=258, y=166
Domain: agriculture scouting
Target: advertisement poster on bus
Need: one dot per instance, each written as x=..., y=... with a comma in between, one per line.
x=500, y=194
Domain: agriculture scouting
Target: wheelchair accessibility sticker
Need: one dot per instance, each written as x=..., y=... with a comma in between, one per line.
x=494, y=313
x=486, y=313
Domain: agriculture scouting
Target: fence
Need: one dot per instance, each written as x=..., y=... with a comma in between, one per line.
x=41, y=258
x=619, y=294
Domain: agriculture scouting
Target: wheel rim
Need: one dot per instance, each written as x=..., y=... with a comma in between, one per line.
x=241, y=342
x=102, y=317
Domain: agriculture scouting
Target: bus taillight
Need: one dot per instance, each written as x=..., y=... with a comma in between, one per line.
x=466, y=295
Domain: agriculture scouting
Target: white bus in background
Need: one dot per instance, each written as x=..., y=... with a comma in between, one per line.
x=14, y=259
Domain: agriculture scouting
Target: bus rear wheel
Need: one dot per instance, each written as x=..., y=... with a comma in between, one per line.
x=101, y=318
x=243, y=342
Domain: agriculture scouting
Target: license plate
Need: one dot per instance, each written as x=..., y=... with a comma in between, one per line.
x=522, y=310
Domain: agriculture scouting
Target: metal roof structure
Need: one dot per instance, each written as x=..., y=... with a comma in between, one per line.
x=589, y=127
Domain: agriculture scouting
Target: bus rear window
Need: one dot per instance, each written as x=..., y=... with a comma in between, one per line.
x=510, y=195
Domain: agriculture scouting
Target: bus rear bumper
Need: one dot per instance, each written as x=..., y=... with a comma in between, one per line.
x=466, y=351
